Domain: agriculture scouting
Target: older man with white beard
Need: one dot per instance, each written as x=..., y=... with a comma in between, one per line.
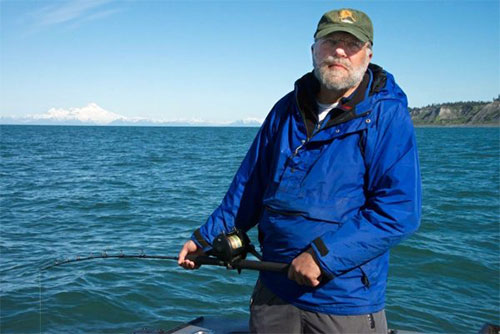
x=332, y=180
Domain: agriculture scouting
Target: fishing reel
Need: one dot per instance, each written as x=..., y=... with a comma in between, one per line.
x=232, y=247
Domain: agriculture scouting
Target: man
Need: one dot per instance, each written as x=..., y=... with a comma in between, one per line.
x=332, y=180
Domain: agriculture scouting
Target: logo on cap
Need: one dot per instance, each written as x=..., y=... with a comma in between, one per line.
x=346, y=16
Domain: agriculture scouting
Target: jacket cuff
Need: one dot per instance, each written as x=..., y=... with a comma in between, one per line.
x=200, y=240
x=320, y=251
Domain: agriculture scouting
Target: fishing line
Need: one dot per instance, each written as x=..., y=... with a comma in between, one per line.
x=237, y=264
x=229, y=250
x=105, y=255
x=40, y=297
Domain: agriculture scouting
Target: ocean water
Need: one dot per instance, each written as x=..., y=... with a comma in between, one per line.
x=73, y=191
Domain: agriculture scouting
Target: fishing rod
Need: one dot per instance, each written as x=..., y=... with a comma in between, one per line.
x=238, y=264
x=229, y=250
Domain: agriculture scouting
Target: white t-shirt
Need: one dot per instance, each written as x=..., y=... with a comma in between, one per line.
x=324, y=109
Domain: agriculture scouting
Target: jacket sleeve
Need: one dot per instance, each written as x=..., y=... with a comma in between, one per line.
x=393, y=196
x=242, y=204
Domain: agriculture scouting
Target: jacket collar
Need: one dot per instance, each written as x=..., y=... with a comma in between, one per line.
x=307, y=88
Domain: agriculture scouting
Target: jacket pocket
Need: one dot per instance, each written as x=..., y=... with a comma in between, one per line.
x=365, y=280
x=369, y=273
x=283, y=213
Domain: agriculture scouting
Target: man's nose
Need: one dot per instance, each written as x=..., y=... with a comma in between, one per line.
x=339, y=51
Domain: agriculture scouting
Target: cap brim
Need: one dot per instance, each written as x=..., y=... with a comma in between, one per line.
x=349, y=29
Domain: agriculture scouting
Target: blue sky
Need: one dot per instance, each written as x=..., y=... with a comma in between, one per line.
x=227, y=60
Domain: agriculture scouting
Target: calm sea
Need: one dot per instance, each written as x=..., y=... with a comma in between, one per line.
x=72, y=191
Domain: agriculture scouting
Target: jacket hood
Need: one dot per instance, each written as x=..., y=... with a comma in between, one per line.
x=384, y=86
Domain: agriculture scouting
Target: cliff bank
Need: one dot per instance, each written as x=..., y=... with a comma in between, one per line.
x=458, y=113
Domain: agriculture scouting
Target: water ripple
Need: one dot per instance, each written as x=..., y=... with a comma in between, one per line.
x=68, y=191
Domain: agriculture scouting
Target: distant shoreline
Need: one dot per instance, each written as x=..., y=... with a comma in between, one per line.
x=136, y=126
x=459, y=114
x=457, y=126
x=239, y=126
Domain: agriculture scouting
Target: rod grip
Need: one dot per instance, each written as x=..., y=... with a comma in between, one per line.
x=261, y=265
x=203, y=259
x=240, y=264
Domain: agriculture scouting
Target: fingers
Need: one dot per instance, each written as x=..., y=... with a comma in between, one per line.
x=304, y=270
x=303, y=279
x=314, y=282
x=189, y=248
x=189, y=265
x=295, y=275
x=182, y=255
x=291, y=274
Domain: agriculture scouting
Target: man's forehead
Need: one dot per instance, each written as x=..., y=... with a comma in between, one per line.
x=342, y=35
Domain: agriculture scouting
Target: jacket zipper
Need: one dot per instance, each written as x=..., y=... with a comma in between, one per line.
x=318, y=128
x=301, y=114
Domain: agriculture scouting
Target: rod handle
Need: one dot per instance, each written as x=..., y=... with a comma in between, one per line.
x=203, y=259
x=262, y=265
x=240, y=264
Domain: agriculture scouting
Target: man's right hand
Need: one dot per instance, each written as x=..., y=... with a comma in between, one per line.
x=189, y=248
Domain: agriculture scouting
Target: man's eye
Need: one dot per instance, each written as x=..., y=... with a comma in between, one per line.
x=335, y=42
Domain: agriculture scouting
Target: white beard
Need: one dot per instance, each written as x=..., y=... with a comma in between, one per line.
x=339, y=79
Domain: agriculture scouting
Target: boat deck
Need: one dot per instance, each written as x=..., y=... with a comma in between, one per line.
x=221, y=325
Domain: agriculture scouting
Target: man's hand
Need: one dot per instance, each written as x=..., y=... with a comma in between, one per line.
x=305, y=270
x=189, y=248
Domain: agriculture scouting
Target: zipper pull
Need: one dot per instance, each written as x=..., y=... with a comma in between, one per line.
x=316, y=129
x=299, y=147
x=364, y=279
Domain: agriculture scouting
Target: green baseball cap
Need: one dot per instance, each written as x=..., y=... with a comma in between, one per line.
x=352, y=21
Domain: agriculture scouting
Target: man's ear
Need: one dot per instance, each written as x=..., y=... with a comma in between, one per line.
x=370, y=55
x=312, y=54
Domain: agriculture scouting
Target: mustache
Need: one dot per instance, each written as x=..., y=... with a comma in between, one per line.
x=330, y=60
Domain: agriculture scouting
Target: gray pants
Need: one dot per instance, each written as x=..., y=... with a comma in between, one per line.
x=270, y=314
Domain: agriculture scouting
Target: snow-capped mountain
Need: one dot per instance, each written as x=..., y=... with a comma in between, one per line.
x=93, y=114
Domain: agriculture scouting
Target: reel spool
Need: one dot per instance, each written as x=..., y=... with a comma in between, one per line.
x=233, y=246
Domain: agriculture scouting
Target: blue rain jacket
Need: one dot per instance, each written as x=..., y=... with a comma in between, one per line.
x=349, y=187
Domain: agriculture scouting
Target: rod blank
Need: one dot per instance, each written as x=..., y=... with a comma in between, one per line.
x=200, y=260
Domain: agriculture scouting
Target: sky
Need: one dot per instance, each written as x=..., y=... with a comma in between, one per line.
x=228, y=60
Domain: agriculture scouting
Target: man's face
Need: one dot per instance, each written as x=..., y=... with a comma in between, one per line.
x=340, y=60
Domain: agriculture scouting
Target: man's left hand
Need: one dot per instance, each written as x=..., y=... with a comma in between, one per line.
x=305, y=270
